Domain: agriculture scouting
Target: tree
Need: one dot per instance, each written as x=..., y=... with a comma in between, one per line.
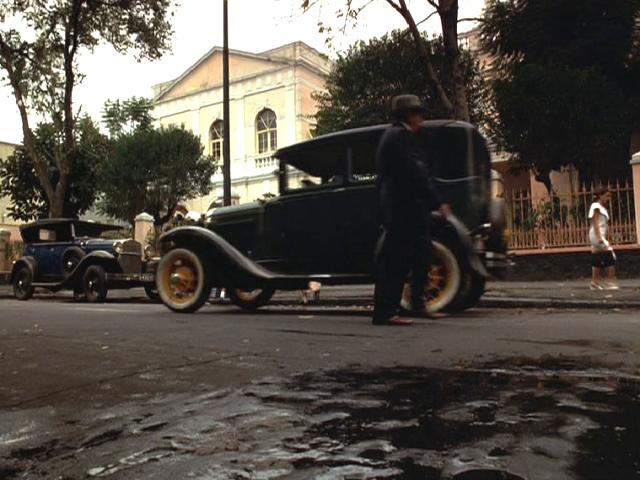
x=152, y=171
x=364, y=79
x=40, y=63
x=128, y=115
x=452, y=90
x=566, y=83
x=19, y=181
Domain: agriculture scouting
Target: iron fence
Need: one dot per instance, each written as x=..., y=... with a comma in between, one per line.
x=562, y=220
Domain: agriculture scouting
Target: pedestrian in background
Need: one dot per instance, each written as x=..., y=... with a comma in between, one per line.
x=603, y=258
x=407, y=196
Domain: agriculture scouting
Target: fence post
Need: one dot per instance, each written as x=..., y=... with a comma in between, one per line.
x=5, y=239
x=143, y=225
x=635, y=168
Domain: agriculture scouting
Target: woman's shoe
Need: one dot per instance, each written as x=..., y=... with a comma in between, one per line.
x=596, y=286
x=611, y=286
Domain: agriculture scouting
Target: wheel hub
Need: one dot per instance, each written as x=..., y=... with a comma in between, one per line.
x=182, y=281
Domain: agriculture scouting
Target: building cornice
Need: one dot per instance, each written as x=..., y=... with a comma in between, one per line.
x=217, y=86
x=264, y=57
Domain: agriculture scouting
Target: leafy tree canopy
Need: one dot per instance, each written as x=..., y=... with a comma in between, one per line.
x=39, y=61
x=152, y=171
x=451, y=91
x=365, y=78
x=19, y=182
x=126, y=116
x=566, y=83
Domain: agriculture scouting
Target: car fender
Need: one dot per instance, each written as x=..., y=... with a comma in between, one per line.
x=451, y=229
x=104, y=259
x=232, y=267
x=28, y=262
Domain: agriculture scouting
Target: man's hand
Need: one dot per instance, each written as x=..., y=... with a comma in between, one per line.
x=445, y=210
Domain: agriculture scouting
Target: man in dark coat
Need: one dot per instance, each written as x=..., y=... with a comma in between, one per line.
x=407, y=196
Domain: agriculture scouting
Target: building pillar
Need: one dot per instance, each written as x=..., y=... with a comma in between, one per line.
x=143, y=226
x=5, y=239
x=635, y=168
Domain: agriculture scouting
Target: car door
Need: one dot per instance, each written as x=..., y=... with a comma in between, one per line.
x=305, y=232
x=48, y=251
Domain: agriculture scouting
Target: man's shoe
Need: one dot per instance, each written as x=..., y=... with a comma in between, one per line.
x=424, y=313
x=395, y=321
x=399, y=321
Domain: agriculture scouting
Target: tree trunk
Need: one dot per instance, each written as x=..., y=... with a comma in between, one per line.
x=424, y=51
x=448, y=12
x=29, y=141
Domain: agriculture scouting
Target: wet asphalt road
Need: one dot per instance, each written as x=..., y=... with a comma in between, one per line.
x=132, y=391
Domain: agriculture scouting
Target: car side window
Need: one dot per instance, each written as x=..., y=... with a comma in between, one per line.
x=46, y=235
x=362, y=161
x=299, y=180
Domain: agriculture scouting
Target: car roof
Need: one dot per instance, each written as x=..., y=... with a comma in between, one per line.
x=92, y=228
x=316, y=155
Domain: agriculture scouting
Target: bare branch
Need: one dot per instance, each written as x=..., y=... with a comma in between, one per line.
x=434, y=4
x=426, y=19
x=397, y=7
x=471, y=19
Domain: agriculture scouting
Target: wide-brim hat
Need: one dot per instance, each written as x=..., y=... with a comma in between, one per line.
x=403, y=104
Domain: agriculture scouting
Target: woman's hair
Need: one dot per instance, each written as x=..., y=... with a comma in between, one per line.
x=600, y=192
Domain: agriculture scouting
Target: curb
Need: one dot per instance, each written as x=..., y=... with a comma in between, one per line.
x=525, y=302
x=485, y=302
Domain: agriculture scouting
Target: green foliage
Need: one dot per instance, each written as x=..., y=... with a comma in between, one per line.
x=15, y=249
x=152, y=171
x=19, y=182
x=365, y=78
x=566, y=83
x=39, y=60
x=126, y=116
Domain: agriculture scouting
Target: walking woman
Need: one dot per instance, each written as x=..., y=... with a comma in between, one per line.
x=603, y=258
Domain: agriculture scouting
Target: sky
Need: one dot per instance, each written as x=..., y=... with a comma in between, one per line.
x=254, y=26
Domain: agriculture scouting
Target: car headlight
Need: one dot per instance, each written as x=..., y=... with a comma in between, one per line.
x=148, y=251
x=118, y=247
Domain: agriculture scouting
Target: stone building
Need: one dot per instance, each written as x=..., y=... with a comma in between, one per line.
x=271, y=106
x=6, y=222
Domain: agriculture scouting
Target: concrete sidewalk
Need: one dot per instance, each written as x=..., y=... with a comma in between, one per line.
x=567, y=294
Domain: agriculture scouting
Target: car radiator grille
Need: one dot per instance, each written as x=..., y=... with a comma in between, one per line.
x=131, y=257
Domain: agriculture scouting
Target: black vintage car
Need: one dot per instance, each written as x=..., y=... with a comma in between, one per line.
x=324, y=225
x=85, y=257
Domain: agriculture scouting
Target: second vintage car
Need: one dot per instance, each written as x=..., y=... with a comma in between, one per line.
x=85, y=257
x=324, y=226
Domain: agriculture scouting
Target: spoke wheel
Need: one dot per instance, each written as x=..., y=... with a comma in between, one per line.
x=443, y=282
x=251, y=299
x=94, y=284
x=23, y=284
x=71, y=259
x=182, y=282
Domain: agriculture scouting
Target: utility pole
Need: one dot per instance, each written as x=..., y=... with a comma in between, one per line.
x=226, y=146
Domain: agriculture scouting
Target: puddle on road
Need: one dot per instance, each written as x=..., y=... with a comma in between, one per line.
x=504, y=421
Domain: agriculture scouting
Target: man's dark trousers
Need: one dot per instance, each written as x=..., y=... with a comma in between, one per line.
x=401, y=251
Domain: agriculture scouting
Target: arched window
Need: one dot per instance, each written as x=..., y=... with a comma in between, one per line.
x=216, y=134
x=267, y=131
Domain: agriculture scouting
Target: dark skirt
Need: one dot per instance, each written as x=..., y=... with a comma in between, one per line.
x=603, y=259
